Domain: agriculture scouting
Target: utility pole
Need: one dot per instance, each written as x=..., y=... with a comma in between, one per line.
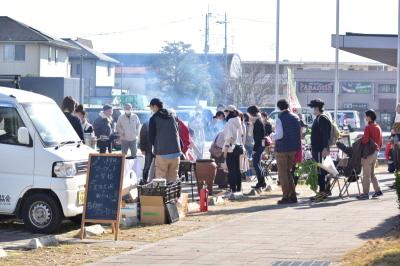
x=121, y=69
x=225, y=52
x=226, y=44
x=277, y=53
x=81, y=86
x=207, y=34
x=336, y=62
x=398, y=54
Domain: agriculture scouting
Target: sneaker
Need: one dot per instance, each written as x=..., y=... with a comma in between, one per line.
x=321, y=196
x=363, y=197
x=287, y=201
x=377, y=194
x=283, y=201
x=259, y=186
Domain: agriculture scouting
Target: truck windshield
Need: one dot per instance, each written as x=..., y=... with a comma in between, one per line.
x=51, y=124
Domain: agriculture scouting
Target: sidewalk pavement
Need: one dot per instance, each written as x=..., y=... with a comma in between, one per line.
x=302, y=232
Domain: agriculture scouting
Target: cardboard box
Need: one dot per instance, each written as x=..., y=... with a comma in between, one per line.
x=152, y=210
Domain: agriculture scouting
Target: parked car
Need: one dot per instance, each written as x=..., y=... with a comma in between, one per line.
x=144, y=115
x=347, y=118
x=308, y=117
x=43, y=167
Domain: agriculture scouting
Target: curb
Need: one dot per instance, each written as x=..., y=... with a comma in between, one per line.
x=44, y=241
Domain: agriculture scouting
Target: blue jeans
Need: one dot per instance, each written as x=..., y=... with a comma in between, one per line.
x=249, y=150
x=256, y=164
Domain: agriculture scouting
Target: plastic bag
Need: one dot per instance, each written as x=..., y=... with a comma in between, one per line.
x=329, y=166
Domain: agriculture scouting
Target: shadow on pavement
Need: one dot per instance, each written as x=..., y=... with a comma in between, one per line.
x=381, y=229
x=304, y=203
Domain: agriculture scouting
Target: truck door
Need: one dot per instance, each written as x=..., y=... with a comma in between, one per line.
x=16, y=160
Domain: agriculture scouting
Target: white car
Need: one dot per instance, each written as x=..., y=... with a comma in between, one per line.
x=347, y=118
x=43, y=163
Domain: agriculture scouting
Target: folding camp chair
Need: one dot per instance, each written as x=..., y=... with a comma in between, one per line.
x=351, y=177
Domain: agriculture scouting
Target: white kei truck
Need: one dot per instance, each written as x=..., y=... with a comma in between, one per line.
x=43, y=163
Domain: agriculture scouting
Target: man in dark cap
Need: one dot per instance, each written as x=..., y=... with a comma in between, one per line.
x=320, y=135
x=103, y=129
x=164, y=136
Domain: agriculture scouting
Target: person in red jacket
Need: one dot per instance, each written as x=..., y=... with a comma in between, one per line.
x=372, y=132
x=184, y=136
x=389, y=155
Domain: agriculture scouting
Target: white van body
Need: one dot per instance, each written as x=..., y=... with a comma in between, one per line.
x=347, y=118
x=43, y=164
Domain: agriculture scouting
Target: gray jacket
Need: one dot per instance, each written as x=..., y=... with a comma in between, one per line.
x=128, y=127
x=164, y=133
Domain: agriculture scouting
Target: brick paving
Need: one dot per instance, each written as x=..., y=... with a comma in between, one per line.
x=301, y=232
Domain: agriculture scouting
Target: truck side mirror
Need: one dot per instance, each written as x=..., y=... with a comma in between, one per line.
x=23, y=136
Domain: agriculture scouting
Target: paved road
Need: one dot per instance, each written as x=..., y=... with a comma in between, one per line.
x=302, y=232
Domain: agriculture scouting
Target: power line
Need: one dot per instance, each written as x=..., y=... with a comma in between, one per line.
x=252, y=20
x=140, y=28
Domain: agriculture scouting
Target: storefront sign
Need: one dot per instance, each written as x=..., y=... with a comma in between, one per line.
x=356, y=87
x=356, y=106
x=315, y=87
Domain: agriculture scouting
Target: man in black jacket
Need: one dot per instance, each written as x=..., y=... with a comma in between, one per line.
x=164, y=136
x=146, y=148
x=320, y=135
x=258, y=148
x=103, y=129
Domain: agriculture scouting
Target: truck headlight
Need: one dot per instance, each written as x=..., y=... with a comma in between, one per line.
x=64, y=169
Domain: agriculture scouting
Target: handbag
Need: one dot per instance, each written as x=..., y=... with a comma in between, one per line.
x=238, y=150
x=215, y=151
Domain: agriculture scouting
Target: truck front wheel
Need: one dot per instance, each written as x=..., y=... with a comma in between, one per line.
x=41, y=213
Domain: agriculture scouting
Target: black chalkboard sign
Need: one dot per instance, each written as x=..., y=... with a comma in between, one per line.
x=103, y=189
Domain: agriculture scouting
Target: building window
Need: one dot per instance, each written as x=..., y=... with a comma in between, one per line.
x=9, y=52
x=109, y=70
x=19, y=52
x=387, y=88
x=14, y=52
x=55, y=55
x=49, y=55
x=78, y=69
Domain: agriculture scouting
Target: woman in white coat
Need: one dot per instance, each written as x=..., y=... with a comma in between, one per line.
x=233, y=147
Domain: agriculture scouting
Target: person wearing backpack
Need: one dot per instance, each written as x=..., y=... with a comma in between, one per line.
x=320, y=143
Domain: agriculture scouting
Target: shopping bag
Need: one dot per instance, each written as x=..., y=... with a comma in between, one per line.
x=244, y=163
x=329, y=166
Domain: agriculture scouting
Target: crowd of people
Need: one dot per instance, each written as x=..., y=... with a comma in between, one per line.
x=164, y=140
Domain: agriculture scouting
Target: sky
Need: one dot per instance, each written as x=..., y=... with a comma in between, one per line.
x=144, y=26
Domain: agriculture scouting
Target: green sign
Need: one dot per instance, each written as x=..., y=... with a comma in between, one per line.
x=356, y=87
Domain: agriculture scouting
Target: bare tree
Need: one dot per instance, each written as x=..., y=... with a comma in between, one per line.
x=256, y=86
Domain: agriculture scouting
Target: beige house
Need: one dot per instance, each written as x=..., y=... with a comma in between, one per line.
x=26, y=51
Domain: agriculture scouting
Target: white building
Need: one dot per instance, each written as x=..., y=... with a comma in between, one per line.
x=26, y=51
